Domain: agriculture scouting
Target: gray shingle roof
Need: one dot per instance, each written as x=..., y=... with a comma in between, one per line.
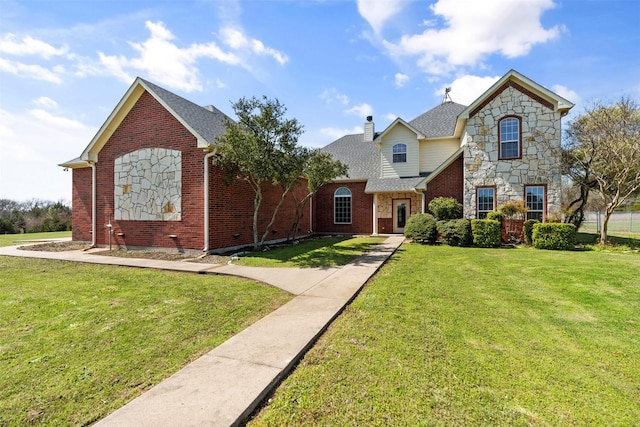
x=439, y=121
x=363, y=158
x=390, y=185
x=208, y=122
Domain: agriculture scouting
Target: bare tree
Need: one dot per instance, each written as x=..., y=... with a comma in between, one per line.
x=602, y=153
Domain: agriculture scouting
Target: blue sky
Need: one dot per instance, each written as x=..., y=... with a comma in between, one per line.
x=65, y=64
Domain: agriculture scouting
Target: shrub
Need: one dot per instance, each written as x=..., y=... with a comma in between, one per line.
x=421, y=227
x=445, y=208
x=553, y=235
x=527, y=229
x=496, y=216
x=455, y=232
x=513, y=208
x=486, y=233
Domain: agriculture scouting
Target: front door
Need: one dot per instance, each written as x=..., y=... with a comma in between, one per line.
x=400, y=214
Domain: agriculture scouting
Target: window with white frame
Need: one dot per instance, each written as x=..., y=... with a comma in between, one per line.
x=510, y=138
x=400, y=153
x=535, y=200
x=342, y=206
x=485, y=201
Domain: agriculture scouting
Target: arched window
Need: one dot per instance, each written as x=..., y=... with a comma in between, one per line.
x=510, y=138
x=400, y=153
x=342, y=206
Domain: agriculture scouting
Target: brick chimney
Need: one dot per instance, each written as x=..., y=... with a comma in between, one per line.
x=369, y=129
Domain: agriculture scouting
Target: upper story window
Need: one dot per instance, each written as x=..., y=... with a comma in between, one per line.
x=400, y=153
x=342, y=206
x=510, y=138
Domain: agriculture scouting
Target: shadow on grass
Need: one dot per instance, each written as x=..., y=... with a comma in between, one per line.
x=589, y=242
x=322, y=252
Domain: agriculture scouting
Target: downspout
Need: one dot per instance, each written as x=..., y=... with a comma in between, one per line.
x=311, y=215
x=375, y=214
x=206, y=200
x=94, y=236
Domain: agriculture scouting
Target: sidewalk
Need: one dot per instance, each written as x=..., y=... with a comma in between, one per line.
x=224, y=386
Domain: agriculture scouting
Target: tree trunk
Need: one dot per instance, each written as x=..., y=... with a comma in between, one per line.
x=273, y=216
x=257, y=201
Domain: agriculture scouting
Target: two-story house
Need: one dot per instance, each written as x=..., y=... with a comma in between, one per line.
x=504, y=146
x=146, y=178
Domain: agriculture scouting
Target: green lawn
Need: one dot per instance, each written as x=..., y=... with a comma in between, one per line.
x=462, y=336
x=11, y=239
x=321, y=252
x=77, y=341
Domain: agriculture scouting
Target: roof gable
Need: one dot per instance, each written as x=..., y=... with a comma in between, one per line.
x=523, y=84
x=205, y=123
x=398, y=122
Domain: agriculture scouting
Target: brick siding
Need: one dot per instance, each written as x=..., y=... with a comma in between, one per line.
x=361, y=210
x=150, y=125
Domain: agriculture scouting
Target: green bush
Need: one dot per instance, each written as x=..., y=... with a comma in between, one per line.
x=496, y=216
x=527, y=229
x=553, y=235
x=421, y=227
x=445, y=208
x=455, y=232
x=486, y=233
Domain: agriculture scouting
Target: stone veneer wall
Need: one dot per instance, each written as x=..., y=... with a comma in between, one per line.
x=540, y=162
x=147, y=185
x=385, y=204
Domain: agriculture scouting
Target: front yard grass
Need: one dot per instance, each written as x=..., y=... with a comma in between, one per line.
x=318, y=252
x=465, y=336
x=14, y=239
x=77, y=341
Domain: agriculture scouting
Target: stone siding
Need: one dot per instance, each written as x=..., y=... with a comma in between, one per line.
x=540, y=151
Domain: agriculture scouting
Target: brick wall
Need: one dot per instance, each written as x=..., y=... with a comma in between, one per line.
x=81, y=205
x=448, y=183
x=231, y=212
x=149, y=125
x=361, y=209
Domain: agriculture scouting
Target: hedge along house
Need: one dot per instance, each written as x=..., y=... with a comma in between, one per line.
x=146, y=180
x=504, y=146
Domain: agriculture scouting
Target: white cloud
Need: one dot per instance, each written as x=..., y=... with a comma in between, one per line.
x=238, y=41
x=32, y=143
x=9, y=43
x=566, y=93
x=332, y=95
x=390, y=117
x=474, y=29
x=33, y=71
x=335, y=133
x=401, y=79
x=362, y=110
x=378, y=12
x=163, y=61
x=466, y=89
x=46, y=102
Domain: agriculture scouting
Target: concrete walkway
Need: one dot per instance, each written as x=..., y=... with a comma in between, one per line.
x=224, y=386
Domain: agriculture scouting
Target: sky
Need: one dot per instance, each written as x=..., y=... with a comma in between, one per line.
x=65, y=64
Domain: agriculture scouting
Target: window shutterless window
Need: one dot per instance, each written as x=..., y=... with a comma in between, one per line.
x=535, y=199
x=342, y=206
x=400, y=153
x=510, y=138
x=485, y=201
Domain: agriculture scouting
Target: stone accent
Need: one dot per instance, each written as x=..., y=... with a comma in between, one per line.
x=385, y=203
x=148, y=185
x=541, y=152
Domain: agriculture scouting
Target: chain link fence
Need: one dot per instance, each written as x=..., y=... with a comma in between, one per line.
x=620, y=222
